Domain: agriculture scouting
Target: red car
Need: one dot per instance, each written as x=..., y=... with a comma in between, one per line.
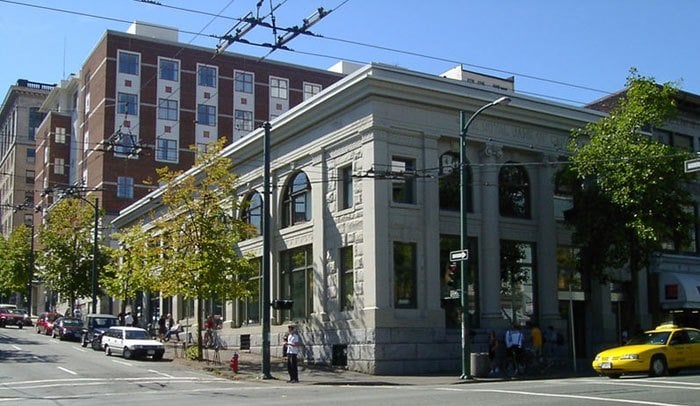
x=44, y=323
x=14, y=317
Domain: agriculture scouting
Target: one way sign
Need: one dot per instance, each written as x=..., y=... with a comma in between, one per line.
x=461, y=255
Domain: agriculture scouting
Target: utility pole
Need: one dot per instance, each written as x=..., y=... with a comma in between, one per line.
x=266, y=260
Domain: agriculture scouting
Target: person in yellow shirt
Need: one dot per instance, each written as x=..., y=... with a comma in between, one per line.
x=536, y=336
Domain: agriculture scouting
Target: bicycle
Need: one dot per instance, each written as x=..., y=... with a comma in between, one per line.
x=212, y=340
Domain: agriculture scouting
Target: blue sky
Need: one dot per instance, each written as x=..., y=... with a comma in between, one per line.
x=569, y=50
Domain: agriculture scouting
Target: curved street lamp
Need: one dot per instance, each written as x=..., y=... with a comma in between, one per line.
x=463, y=285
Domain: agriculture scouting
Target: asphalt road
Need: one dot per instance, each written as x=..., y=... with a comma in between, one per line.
x=38, y=370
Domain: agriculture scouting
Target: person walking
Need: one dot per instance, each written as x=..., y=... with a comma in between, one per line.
x=536, y=336
x=493, y=351
x=293, y=347
x=161, y=327
x=514, y=345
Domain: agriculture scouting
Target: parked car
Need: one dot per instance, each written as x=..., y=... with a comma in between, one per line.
x=132, y=342
x=45, y=322
x=14, y=317
x=67, y=328
x=95, y=326
x=665, y=350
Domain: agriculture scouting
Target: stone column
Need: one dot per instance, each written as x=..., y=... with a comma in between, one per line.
x=546, y=266
x=489, y=243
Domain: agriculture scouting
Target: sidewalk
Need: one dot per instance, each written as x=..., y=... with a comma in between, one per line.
x=250, y=368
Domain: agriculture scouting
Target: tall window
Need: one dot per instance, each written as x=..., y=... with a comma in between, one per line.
x=125, y=187
x=35, y=119
x=311, y=89
x=127, y=103
x=297, y=280
x=206, y=115
x=251, y=307
x=166, y=150
x=244, y=120
x=405, y=275
x=169, y=69
x=31, y=155
x=450, y=194
x=517, y=289
x=345, y=187
x=243, y=82
x=60, y=135
x=296, y=204
x=29, y=176
x=128, y=63
x=167, y=109
x=278, y=88
x=514, y=191
x=347, y=279
x=403, y=185
x=59, y=166
x=206, y=76
x=253, y=210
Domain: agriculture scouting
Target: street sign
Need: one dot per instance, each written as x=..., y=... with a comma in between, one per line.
x=461, y=255
x=692, y=165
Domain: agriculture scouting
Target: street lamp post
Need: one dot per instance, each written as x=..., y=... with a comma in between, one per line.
x=464, y=265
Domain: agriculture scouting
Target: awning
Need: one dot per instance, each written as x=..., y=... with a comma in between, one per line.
x=679, y=290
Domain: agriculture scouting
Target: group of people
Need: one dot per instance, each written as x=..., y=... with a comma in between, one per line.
x=541, y=343
x=167, y=327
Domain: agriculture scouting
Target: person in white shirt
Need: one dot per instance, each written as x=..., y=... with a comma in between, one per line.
x=514, y=343
x=293, y=347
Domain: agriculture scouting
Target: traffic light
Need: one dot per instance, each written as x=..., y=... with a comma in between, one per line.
x=451, y=275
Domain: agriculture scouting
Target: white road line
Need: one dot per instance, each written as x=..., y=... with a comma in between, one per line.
x=556, y=395
x=16, y=347
x=67, y=370
x=160, y=373
x=653, y=384
x=122, y=362
x=78, y=349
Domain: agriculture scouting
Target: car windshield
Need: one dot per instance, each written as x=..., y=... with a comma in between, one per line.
x=72, y=322
x=650, y=337
x=18, y=311
x=136, y=335
x=104, y=322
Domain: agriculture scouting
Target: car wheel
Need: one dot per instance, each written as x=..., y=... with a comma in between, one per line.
x=20, y=325
x=614, y=376
x=108, y=351
x=157, y=357
x=658, y=366
x=127, y=353
x=96, y=344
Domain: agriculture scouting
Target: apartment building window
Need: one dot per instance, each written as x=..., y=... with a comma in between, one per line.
x=252, y=211
x=297, y=281
x=127, y=103
x=30, y=176
x=403, y=185
x=166, y=150
x=279, y=88
x=35, y=119
x=31, y=155
x=346, y=187
x=206, y=76
x=514, y=191
x=125, y=144
x=167, y=109
x=244, y=120
x=59, y=166
x=405, y=275
x=311, y=89
x=128, y=63
x=60, y=136
x=347, y=279
x=206, y=115
x=243, y=82
x=169, y=70
x=296, y=203
x=125, y=187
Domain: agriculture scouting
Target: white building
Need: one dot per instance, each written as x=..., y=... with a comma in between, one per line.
x=365, y=210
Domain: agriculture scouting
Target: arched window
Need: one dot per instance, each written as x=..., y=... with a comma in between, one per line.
x=450, y=194
x=296, y=202
x=252, y=211
x=513, y=191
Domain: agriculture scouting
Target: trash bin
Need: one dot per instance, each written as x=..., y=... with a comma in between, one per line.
x=480, y=365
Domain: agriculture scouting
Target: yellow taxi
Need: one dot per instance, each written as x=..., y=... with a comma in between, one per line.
x=665, y=350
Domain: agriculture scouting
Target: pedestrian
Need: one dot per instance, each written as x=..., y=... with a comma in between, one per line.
x=536, y=337
x=514, y=346
x=293, y=347
x=161, y=327
x=493, y=351
x=128, y=319
x=550, y=340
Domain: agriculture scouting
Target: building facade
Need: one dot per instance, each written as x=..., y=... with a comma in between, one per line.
x=365, y=211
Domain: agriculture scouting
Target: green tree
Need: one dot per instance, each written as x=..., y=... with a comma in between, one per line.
x=199, y=234
x=133, y=268
x=65, y=261
x=15, y=261
x=630, y=191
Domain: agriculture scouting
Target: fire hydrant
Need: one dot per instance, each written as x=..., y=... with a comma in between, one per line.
x=234, y=363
